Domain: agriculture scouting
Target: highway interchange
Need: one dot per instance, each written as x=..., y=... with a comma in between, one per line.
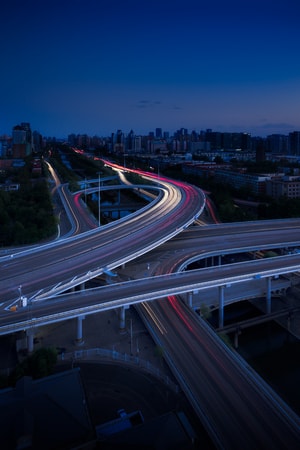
x=236, y=406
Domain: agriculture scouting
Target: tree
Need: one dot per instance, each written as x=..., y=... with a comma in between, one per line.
x=38, y=365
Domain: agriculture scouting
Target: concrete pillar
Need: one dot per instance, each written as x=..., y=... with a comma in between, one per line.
x=190, y=299
x=122, y=318
x=236, y=339
x=268, y=296
x=30, y=336
x=79, y=339
x=82, y=286
x=221, y=306
x=219, y=260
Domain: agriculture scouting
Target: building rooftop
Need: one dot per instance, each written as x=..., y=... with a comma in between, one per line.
x=46, y=413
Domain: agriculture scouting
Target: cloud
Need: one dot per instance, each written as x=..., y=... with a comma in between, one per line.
x=147, y=103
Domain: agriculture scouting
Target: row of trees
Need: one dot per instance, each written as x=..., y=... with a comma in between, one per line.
x=26, y=215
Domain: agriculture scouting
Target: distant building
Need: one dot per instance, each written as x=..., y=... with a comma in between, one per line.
x=118, y=141
x=294, y=143
x=260, y=153
x=22, y=144
x=286, y=186
x=256, y=183
x=157, y=146
x=277, y=143
x=204, y=170
x=5, y=146
x=158, y=133
x=199, y=146
x=137, y=144
x=37, y=142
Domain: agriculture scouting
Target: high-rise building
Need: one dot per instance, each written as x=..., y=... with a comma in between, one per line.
x=22, y=140
x=158, y=133
x=294, y=143
x=118, y=140
x=277, y=143
x=37, y=141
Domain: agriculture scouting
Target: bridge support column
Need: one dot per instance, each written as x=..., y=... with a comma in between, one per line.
x=30, y=336
x=219, y=260
x=190, y=299
x=82, y=286
x=236, y=339
x=221, y=306
x=122, y=318
x=79, y=339
x=268, y=297
x=289, y=322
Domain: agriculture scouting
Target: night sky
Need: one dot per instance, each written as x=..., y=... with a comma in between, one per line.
x=95, y=66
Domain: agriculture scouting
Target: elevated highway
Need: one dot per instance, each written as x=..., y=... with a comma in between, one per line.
x=237, y=407
x=67, y=263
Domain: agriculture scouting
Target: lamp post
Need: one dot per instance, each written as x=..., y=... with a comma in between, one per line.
x=99, y=199
x=20, y=294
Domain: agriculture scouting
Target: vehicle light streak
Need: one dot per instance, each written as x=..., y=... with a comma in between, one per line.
x=154, y=317
x=174, y=302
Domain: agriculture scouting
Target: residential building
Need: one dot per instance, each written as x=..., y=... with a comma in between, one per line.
x=255, y=182
x=22, y=140
x=277, y=144
x=286, y=186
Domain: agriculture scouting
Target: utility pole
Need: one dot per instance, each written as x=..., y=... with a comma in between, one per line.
x=99, y=199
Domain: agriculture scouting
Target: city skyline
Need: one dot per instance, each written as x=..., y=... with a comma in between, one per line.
x=95, y=66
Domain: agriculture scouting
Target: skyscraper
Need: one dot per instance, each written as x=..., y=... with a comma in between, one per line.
x=158, y=133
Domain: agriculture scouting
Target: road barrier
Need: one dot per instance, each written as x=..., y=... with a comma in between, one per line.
x=112, y=355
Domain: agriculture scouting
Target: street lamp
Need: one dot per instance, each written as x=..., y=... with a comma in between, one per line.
x=99, y=199
x=22, y=299
x=20, y=294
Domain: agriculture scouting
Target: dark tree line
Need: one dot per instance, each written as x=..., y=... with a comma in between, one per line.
x=26, y=215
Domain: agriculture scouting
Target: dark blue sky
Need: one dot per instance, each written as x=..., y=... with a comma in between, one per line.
x=95, y=66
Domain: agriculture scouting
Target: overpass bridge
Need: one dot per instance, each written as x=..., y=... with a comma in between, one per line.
x=251, y=414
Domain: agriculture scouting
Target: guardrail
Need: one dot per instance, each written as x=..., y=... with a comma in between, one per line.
x=112, y=355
